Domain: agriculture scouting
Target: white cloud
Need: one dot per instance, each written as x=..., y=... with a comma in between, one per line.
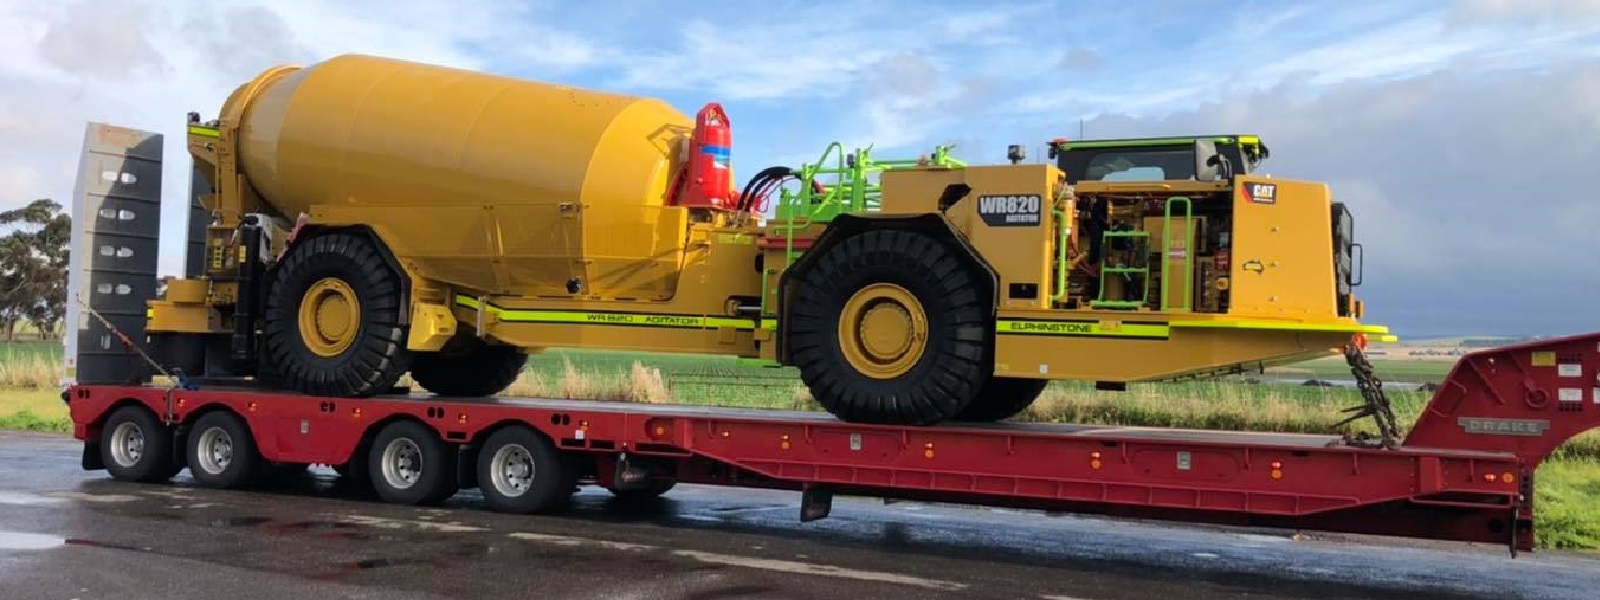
x=145, y=63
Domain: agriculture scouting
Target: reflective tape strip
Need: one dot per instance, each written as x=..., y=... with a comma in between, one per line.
x=513, y=315
x=1144, y=331
x=204, y=131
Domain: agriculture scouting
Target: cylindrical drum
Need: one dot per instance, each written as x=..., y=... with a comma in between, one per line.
x=361, y=130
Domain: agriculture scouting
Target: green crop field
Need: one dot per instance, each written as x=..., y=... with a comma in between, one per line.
x=1567, y=487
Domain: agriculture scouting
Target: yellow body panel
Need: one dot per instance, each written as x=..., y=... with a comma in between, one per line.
x=1280, y=266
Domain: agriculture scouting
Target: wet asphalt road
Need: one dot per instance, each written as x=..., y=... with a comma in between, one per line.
x=67, y=533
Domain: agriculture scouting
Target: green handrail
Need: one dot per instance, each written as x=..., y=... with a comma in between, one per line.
x=1063, y=227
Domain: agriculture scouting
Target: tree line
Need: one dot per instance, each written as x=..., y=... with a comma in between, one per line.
x=34, y=251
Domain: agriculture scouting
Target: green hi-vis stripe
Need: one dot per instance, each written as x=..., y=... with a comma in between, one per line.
x=1327, y=327
x=1143, y=331
x=511, y=315
x=205, y=131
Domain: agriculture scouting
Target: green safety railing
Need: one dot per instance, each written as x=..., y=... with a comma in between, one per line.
x=847, y=187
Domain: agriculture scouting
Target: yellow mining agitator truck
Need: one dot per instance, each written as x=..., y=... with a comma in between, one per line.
x=373, y=217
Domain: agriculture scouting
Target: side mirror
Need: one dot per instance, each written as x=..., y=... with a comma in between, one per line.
x=1206, y=160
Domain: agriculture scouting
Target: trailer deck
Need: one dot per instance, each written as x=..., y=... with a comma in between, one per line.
x=1464, y=472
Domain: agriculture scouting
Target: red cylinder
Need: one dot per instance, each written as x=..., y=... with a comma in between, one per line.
x=710, y=183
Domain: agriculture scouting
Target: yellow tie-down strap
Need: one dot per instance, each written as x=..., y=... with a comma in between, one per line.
x=518, y=315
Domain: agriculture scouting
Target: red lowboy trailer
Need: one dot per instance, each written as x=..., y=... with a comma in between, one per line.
x=1464, y=472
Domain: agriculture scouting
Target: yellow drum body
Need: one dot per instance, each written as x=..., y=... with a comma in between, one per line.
x=495, y=184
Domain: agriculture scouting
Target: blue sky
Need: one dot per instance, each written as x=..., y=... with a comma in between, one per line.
x=1461, y=132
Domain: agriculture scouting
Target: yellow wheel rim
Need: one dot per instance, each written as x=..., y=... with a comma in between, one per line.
x=883, y=331
x=330, y=317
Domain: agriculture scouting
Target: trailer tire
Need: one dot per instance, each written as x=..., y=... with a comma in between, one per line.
x=521, y=472
x=468, y=367
x=332, y=318
x=917, y=331
x=1002, y=398
x=409, y=464
x=136, y=446
x=222, y=453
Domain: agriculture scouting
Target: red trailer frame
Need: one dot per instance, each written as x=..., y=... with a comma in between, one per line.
x=1463, y=473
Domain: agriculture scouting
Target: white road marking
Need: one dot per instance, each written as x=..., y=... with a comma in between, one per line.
x=564, y=540
x=782, y=566
x=806, y=568
x=22, y=498
x=93, y=497
x=1204, y=555
x=16, y=540
x=384, y=523
x=1056, y=597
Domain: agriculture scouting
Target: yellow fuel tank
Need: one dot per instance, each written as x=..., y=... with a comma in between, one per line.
x=488, y=182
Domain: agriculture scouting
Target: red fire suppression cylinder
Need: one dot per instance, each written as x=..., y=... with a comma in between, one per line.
x=710, y=183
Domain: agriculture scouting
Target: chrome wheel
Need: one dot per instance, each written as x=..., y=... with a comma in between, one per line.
x=127, y=444
x=402, y=463
x=215, y=451
x=511, y=470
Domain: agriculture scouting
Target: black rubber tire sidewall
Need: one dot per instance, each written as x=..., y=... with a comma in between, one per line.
x=479, y=370
x=960, y=325
x=156, y=464
x=438, y=480
x=378, y=357
x=1002, y=398
x=553, y=479
x=244, y=469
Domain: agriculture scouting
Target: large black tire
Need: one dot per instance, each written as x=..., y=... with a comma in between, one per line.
x=1002, y=398
x=222, y=453
x=340, y=266
x=520, y=472
x=954, y=358
x=137, y=446
x=409, y=464
x=467, y=366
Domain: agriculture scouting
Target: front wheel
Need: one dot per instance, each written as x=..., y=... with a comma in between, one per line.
x=332, y=318
x=891, y=326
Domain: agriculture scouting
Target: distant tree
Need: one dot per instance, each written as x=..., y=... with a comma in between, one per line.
x=33, y=266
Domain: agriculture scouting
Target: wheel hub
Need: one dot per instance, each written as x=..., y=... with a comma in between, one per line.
x=402, y=463
x=215, y=450
x=512, y=470
x=329, y=317
x=127, y=444
x=883, y=331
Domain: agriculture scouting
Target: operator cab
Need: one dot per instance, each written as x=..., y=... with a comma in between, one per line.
x=1205, y=158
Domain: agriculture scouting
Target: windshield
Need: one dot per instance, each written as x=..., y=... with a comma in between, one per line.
x=1142, y=163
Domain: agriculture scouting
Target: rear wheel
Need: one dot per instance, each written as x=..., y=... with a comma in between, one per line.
x=468, y=366
x=137, y=446
x=1002, y=398
x=890, y=327
x=332, y=319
